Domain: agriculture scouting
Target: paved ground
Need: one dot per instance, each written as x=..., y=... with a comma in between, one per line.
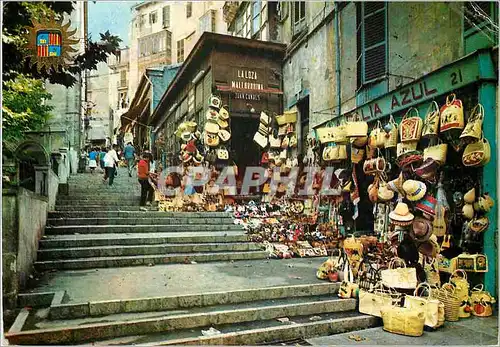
x=472, y=331
x=166, y=280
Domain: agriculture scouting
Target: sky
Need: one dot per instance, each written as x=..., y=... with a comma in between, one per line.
x=110, y=15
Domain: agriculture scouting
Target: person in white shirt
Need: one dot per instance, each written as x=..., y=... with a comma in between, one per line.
x=110, y=162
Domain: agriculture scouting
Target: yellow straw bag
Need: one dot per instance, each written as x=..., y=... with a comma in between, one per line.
x=431, y=123
x=391, y=138
x=452, y=114
x=357, y=155
x=332, y=134
x=477, y=153
x=437, y=152
x=287, y=117
x=433, y=309
x=377, y=137
x=451, y=302
x=410, y=128
x=473, y=129
x=403, y=321
x=356, y=127
x=404, y=278
x=370, y=302
x=459, y=279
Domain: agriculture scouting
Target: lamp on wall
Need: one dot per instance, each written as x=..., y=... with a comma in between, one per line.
x=198, y=76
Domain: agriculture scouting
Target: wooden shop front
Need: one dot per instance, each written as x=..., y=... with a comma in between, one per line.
x=245, y=74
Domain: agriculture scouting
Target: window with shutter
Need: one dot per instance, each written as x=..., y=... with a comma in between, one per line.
x=166, y=16
x=189, y=9
x=298, y=17
x=371, y=41
x=168, y=44
x=180, y=51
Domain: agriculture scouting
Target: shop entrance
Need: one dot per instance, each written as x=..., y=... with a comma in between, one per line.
x=244, y=151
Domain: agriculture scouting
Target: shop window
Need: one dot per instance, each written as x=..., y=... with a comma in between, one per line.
x=166, y=16
x=168, y=43
x=256, y=18
x=180, y=51
x=153, y=17
x=480, y=22
x=371, y=41
x=189, y=9
x=298, y=17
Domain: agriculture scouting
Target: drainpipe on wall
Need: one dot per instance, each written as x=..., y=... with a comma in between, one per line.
x=337, y=58
x=150, y=129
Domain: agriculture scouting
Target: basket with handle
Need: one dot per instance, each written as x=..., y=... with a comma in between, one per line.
x=410, y=128
x=431, y=123
x=402, y=278
x=391, y=138
x=356, y=127
x=403, y=320
x=432, y=307
x=477, y=153
x=451, y=302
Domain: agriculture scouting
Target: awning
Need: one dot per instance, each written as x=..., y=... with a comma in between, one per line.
x=223, y=88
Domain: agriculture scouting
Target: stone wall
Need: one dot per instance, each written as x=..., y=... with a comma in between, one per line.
x=53, y=189
x=32, y=217
x=10, y=283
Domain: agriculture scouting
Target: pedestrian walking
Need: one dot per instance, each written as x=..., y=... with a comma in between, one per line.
x=102, y=154
x=143, y=175
x=129, y=153
x=110, y=162
x=93, y=160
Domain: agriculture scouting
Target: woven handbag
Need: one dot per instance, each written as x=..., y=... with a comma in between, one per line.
x=356, y=127
x=391, y=138
x=403, y=321
x=437, y=152
x=404, y=278
x=434, y=314
x=357, y=155
x=287, y=117
x=452, y=114
x=477, y=153
x=431, y=122
x=451, y=302
x=410, y=128
x=473, y=129
x=371, y=302
x=459, y=279
x=482, y=301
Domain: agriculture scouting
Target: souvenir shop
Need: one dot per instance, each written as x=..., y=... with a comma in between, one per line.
x=423, y=158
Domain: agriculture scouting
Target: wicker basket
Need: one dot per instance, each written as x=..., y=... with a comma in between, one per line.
x=437, y=152
x=356, y=127
x=451, y=302
x=391, y=139
x=477, y=153
x=403, y=321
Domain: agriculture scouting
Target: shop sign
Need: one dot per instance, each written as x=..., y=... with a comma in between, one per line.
x=247, y=80
x=442, y=81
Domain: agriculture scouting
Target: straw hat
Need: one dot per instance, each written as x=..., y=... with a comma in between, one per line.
x=414, y=190
x=191, y=126
x=384, y=193
x=212, y=114
x=421, y=229
x=430, y=247
x=396, y=185
x=401, y=215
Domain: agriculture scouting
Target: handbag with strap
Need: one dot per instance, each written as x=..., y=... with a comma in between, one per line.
x=356, y=127
x=348, y=289
x=404, y=278
x=437, y=152
x=371, y=302
x=452, y=114
x=431, y=123
x=482, y=301
x=403, y=320
x=431, y=270
x=433, y=309
x=410, y=128
x=477, y=153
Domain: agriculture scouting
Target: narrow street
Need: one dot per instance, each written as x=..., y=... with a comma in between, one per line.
x=103, y=263
x=303, y=173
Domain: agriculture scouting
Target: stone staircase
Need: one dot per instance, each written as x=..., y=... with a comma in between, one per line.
x=98, y=226
x=242, y=317
x=247, y=302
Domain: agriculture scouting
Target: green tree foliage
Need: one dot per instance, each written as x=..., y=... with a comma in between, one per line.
x=24, y=107
x=18, y=15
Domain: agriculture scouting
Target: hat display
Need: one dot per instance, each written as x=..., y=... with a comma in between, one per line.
x=396, y=185
x=430, y=247
x=224, y=135
x=384, y=193
x=212, y=115
x=427, y=205
x=401, y=215
x=414, y=190
x=470, y=196
x=428, y=170
x=421, y=229
x=191, y=126
x=186, y=136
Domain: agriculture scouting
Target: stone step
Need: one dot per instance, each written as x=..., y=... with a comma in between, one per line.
x=167, y=258
x=93, y=240
x=137, y=214
x=136, y=250
x=104, y=202
x=112, y=326
x=138, y=221
x=204, y=299
x=96, y=229
x=96, y=207
x=266, y=332
x=101, y=197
